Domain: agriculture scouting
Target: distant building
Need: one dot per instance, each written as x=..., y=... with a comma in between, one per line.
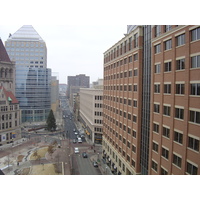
x=33, y=78
x=74, y=83
x=9, y=106
x=91, y=113
x=55, y=102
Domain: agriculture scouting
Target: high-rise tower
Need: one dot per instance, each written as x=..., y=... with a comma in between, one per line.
x=33, y=78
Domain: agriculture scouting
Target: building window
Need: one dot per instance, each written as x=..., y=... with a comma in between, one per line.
x=134, y=133
x=178, y=137
x=168, y=67
x=154, y=165
x=135, y=88
x=195, y=89
x=134, y=118
x=133, y=163
x=156, y=108
x=157, y=88
x=135, y=72
x=166, y=110
x=180, y=64
x=130, y=43
x=157, y=48
x=157, y=30
x=156, y=128
x=191, y=169
x=180, y=40
x=195, y=34
x=130, y=59
x=177, y=160
x=155, y=147
x=135, y=57
x=157, y=69
x=168, y=28
x=193, y=143
x=133, y=148
x=180, y=88
x=135, y=103
x=179, y=113
x=168, y=44
x=165, y=153
x=195, y=61
x=195, y=117
x=136, y=40
x=166, y=132
x=163, y=171
x=167, y=88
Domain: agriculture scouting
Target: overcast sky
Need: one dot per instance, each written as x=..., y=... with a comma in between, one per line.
x=74, y=49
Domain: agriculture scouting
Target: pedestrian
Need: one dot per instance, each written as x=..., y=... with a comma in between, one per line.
x=17, y=163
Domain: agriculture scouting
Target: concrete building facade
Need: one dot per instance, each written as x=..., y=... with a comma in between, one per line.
x=9, y=106
x=91, y=113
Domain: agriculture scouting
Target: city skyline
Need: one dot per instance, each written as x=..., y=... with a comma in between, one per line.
x=74, y=49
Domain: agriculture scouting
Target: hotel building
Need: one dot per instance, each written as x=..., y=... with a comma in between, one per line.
x=151, y=101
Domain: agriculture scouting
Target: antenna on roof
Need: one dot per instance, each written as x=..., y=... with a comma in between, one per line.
x=10, y=34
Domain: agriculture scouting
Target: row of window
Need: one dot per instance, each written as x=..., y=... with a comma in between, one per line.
x=180, y=40
x=121, y=75
x=124, y=61
x=9, y=108
x=123, y=48
x=179, y=89
x=123, y=153
x=194, y=116
x=180, y=64
x=124, y=101
x=129, y=88
x=115, y=133
x=190, y=168
x=7, y=125
x=178, y=137
x=194, y=34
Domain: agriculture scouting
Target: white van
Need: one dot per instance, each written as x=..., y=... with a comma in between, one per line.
x=79, y=140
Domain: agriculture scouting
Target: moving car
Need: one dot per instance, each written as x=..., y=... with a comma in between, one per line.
x=84, y=154
x=75, y=133
x=79, y=140
x=95, y=164
x=74, y=129
x=76, y=150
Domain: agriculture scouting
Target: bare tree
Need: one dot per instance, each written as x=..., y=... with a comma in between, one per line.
x=50, y=149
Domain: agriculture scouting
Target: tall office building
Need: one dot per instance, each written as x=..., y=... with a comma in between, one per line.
x=33, y=78
x=175, y=100
x=151, y=101
x=74, y=83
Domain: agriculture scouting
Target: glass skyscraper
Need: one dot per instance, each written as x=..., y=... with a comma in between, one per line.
x=33, y=78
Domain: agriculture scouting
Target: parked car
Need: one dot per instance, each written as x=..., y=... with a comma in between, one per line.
x=76, y=150
x=95, y=164
x=74, y=141
x=75, y=133
x=84, y=154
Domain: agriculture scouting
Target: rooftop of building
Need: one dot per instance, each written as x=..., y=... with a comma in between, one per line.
x=9, y=95
x=3, y=53
x=26, y=33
